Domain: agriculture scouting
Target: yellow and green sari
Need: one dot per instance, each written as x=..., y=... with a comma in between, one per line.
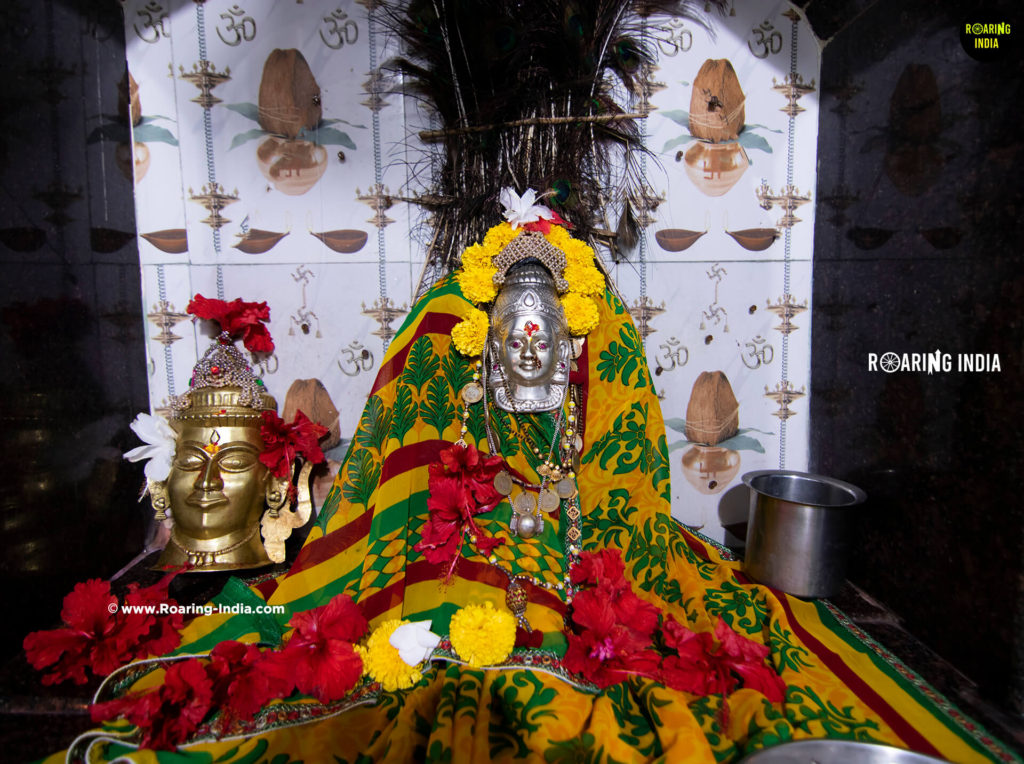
x=839, y=684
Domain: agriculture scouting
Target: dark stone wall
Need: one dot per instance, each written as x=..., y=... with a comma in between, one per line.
x=918, y=248
x=71, y=333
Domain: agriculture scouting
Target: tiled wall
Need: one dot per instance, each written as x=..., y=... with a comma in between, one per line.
x=336, y=248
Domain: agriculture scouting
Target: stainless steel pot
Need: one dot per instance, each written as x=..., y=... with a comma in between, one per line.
x=799, y=531
x=837, y=752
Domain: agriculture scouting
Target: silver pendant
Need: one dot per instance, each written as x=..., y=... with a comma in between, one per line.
x=472, y=392
x=549, y=500
x=524, y=504
x=565, y=488
x=503, y=483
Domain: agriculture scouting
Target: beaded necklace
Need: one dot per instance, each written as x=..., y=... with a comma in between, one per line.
x=524, y=505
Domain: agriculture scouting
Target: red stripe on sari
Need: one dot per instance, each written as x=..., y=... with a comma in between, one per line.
x=325, y=547
x=412, y=456
x=399, y=461
x=430, y=323
x=860, y=688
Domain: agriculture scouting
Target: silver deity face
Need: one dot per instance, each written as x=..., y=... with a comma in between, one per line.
x=528, y=351
x=530, y=344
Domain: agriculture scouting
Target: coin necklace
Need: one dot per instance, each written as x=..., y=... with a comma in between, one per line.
x=527, y=516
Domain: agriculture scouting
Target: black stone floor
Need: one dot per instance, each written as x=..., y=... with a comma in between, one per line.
x=36, y=721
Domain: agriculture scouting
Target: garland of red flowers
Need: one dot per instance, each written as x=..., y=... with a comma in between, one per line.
x=615, y=635
x=244, y=320
x=98, y=635
x=318, y=659
x=461, y=486
x=282, y=442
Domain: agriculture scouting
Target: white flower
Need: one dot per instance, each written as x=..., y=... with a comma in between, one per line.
x=414, y=642
x=159, y=448
x=520, y=210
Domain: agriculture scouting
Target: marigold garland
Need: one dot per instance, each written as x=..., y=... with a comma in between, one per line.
x=382, y=662
x=470, y=335
x=482, y=635
x=580, y=313
x=476, y=280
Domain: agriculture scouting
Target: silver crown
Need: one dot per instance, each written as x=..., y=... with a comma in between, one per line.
x=528, y=288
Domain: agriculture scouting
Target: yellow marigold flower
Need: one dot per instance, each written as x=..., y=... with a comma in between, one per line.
x=578, y=253
x=481, y=635
x=558, y=236
x=476, y=256
x=470, y=334
x=477, y=284
x=584, y=279
x=580, y=313
x=499, y=236
x=382, y=662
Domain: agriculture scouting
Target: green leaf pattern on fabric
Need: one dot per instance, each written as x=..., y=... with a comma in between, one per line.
x=457, y=372
x=634, y=727
x=786, y=653
x=436, y=408
x=421, y=365
x=774, y=729
x=362, y=477
x=808, y=712
x=374, y=426
x=741, y=608
x=514, y=718
x=627, y=443
x=404, y=413
x=708, y=712
x=509, y=440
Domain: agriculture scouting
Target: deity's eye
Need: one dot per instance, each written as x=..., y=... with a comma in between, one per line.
x=189, y=459
x=515, y=344
x=542, y=346
x=237, y=461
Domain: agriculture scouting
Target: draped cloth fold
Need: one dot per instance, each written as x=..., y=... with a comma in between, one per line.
x=839, y=683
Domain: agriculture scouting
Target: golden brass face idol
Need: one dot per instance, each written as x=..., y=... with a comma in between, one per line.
x=529, y=353
x=218, y=489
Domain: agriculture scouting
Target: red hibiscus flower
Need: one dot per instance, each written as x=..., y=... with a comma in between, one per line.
x=282, y=443
x=99, y=636
x=605, y=571
x=246, y=678
x=544, y=226
x=165, y=632
x=166, y=715
x=461, y=486
x=703, y=667
x=746, y=658
x=605, y=649
x=596, y=568
x=239, y=319
x=321, y=651
x=694, y=667
x=447, y=503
